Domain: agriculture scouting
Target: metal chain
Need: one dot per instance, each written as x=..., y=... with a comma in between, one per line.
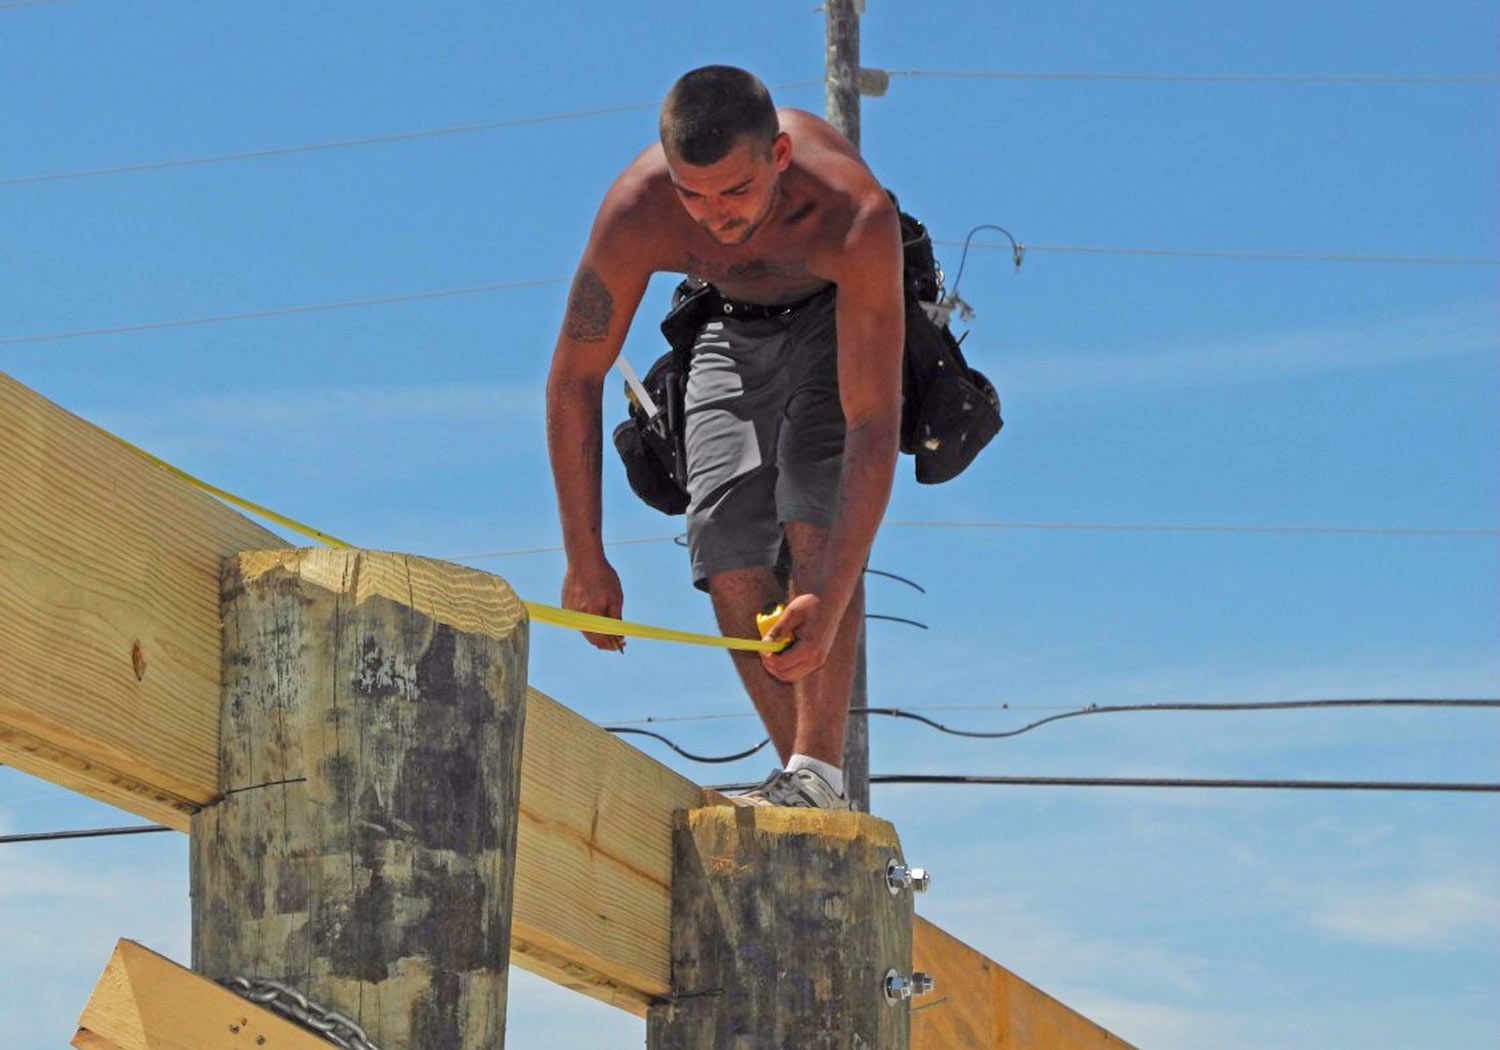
x=296, y=1007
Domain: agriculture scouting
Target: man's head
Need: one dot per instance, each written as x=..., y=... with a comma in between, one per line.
x=725, y=150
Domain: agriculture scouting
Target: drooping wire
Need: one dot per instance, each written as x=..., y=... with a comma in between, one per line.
x=895, y=619
x=1017, y=253
x=1267, y=705
x=683, y=752
x=892, y=576
x=1097, y=709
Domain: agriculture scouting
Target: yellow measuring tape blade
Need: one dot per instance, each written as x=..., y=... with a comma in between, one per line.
x=609, y=625
x=541, y=613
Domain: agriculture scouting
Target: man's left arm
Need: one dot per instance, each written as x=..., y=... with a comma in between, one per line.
x=871, y=324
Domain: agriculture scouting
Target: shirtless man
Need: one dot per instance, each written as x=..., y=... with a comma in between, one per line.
x=791, y=431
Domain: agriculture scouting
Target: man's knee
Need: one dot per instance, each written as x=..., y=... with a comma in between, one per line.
x=806, y=542
x=742, y=593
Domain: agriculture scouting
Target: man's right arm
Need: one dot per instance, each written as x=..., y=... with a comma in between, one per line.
x=606, y=291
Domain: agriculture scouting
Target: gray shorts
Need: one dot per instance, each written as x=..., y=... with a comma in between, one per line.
x=765, y=435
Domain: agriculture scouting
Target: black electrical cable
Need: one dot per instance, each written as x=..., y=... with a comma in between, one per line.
x=684, y=753
x=892, y=576
x=88, y=833
x=1017, y=252
x=893, y=619
x=1095, y=709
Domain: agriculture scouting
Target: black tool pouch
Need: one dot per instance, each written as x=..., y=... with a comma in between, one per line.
x=654, y=450
x=949, y=411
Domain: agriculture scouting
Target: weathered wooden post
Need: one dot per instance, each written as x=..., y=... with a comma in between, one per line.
x=786, y=926
x=370, y=757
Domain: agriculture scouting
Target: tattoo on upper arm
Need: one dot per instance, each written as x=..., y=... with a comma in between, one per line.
x=590, y=308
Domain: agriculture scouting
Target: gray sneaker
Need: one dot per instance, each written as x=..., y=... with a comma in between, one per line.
x=804, y=789
x=760, y=795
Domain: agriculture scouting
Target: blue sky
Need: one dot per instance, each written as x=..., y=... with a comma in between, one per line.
x=1138, y=389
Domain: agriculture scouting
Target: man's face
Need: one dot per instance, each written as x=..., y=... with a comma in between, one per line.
x=730, y=198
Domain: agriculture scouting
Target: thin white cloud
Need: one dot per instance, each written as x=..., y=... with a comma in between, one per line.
x=335, y=407
x=1276, y=355
x=1149, y=1024
x=1429, y=914
x=1052, y=956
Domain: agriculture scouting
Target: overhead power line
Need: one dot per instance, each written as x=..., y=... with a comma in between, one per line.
x=282, y=311
x=556, y=548
x=1109, y=709
x=350, y=143
x=1217, y=253
x=1169, y=782
x=1060, y=526
x=1078, y=712
x=1099, y=526
x=1194, y=78
x=447, y=293
x=1465, y=787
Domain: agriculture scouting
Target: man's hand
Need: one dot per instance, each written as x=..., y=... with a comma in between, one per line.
x=808, y=618
x=595, y=589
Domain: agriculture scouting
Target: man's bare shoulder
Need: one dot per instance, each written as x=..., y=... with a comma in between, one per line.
x=639, y=192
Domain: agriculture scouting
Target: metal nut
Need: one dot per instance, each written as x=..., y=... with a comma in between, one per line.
x=899, y=989
x=899, y=877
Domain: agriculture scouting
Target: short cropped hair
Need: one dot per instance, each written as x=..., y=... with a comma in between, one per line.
x=710, y=109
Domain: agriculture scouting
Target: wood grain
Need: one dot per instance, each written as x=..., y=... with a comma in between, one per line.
x=144, y=1001
x=108, y=565
x=370, y=763
x=783, y=932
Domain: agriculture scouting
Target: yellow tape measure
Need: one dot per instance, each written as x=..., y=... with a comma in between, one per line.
x=767, y=618
x=541, y=613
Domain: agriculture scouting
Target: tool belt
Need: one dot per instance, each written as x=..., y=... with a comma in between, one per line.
x=949, y=411
x=654, y=448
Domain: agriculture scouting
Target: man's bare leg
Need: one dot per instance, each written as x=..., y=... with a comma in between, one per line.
x=822, y=698
x=737, y=596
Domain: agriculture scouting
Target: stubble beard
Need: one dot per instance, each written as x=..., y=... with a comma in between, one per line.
x=750, y=227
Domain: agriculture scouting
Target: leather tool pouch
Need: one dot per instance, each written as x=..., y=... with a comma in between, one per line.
x=654, y=450
x=949, y=411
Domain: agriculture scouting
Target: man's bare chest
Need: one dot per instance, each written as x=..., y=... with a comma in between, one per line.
x=770, y=278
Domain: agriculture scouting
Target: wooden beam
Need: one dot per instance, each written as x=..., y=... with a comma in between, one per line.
x=100, y=550
x=109, y=613
x=980, y=1005
x=145, y=1001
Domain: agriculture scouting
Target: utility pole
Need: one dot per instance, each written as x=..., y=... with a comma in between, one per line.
x=841, y=108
